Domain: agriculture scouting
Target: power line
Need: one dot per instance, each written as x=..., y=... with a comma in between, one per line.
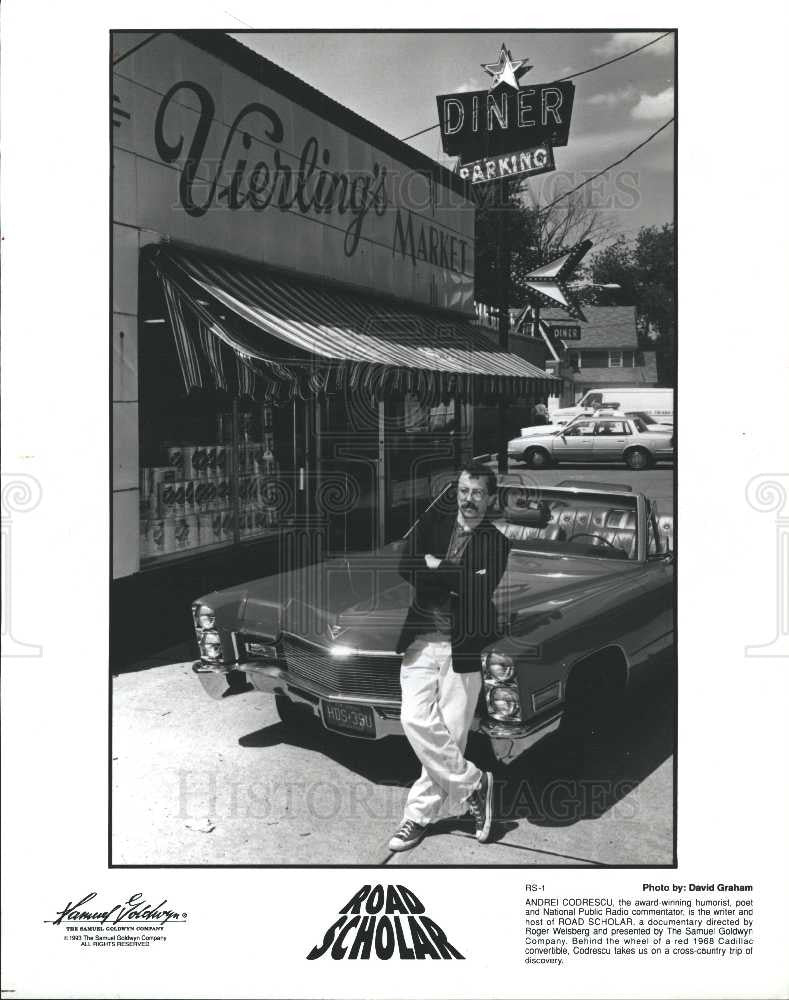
x=624, y=55
x=609, y=167
x=422, y=132
x=572, y=76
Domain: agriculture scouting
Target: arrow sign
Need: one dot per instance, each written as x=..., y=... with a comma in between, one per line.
x=549, y=283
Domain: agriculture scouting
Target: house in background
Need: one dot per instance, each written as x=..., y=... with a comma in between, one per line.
x=602, y=351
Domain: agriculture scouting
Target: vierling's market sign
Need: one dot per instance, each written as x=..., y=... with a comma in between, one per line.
x=267, y=169
x=306, y=185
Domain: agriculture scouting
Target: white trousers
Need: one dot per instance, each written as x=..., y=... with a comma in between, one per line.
x=437, y=712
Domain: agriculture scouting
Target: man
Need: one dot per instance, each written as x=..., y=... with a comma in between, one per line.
x=540, y=414
x=454, y=562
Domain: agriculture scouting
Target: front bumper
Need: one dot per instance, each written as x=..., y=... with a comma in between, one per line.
x=221, y=682
x=507, y=740
x=510, y=740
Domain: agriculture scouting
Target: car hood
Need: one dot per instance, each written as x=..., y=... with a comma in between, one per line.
x=361, y=601
x=539, y=430
x=546, y=433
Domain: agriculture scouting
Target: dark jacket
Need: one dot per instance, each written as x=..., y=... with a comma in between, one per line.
x=470, y=591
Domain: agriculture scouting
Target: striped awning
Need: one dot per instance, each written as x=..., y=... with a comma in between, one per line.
x=319, y=337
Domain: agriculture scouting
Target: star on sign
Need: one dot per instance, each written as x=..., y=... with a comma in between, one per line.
x=506, y=70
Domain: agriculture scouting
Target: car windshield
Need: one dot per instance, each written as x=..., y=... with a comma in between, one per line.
x=643, y=417
x=640, y=425
x=561, y=523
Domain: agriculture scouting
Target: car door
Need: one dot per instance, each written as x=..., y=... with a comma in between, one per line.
x=576, y=444
x=610, y=439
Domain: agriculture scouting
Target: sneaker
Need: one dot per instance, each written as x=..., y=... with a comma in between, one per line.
x=408, y=835
x=480, y=804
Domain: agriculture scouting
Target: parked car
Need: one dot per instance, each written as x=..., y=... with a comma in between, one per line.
x=661, y=427
x=658, y=403
x=664, y=426
x=608, y=439
x=584, y=606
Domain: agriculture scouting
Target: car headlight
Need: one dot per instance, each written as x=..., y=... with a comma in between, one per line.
x=499, y=667
x=204, y=616
x=211, y=646
x=503, y=702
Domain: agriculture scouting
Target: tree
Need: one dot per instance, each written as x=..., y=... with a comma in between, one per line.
x=528, y=236
x=646, y=271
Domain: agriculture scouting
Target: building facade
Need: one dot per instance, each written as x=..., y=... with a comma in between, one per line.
x=296, y=358
x=602, y=350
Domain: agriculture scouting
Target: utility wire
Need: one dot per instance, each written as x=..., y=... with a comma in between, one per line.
x=572, y=76
x=609, y=167
x=428, y=129
x=624, y=55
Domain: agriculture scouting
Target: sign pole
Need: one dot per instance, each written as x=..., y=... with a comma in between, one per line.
x=500, y=134
x=503, y=269
x=535, y=314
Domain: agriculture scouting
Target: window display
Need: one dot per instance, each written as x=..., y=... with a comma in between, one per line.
x=212, y=465
x=206, y=493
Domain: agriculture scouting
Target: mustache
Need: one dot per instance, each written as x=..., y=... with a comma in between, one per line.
x=468, y=505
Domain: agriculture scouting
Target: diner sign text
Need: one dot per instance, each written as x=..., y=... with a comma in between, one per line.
x=566, y=332
x=485, y=123
x=524, y=164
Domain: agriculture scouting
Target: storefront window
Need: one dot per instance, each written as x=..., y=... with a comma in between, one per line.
x=420, y=418
x=214, y=470
x=185, y=491
x=264, y=489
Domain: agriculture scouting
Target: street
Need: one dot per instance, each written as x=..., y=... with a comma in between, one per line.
x=204, y=782
x=197, y=781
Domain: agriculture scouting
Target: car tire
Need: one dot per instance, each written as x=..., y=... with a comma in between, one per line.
x=638, y=458
x=292, y=715
x=537, y=458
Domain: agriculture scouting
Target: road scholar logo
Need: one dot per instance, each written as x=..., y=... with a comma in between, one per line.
x=391, y=922
x=135, y=910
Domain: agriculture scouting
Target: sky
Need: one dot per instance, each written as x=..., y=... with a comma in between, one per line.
x=392, y=79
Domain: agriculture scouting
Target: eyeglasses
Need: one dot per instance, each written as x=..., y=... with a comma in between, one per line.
x=464, y=491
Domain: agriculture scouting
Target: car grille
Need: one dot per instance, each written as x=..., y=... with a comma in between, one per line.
x=369, y=677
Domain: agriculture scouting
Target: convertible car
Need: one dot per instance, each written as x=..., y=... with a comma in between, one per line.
x=596, y=439
x=585, y=605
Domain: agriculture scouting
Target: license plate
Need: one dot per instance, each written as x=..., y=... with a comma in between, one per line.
x=345, y=718
x=262, y=650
